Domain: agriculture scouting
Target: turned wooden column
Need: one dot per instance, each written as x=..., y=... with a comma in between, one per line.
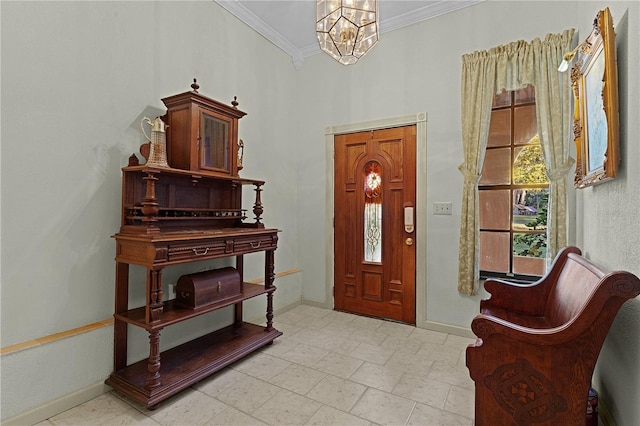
x=269, y=277
x=155, y=306
x=257, y=207
x=153, y=364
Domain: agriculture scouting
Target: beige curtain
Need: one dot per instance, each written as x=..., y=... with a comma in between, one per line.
x=511, y=67
x=478, y=86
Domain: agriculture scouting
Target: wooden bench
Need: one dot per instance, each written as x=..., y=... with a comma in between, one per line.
x=537, y=344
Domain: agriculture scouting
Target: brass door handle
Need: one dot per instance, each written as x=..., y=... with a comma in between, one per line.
x=409, y=241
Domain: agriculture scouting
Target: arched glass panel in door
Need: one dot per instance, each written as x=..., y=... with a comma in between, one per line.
x=372, y=212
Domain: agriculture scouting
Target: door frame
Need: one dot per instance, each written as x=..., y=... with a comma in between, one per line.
x=420, y=121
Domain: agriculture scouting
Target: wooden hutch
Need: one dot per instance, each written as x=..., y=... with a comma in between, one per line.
x=186, y=210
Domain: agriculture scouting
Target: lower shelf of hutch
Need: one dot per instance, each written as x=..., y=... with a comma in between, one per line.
x=191, y=362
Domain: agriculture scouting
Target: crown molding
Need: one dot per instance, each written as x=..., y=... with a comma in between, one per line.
x=298, y=54
x=253, y=21
x=424, y=13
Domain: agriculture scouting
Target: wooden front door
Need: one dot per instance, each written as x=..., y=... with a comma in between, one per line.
x=374, y=249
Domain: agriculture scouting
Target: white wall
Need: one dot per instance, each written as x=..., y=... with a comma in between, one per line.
x=609, y=229
x=77, y=77
x=418, y=69
x=409, y=71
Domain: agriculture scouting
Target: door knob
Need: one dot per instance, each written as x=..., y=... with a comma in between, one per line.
x=409, y=241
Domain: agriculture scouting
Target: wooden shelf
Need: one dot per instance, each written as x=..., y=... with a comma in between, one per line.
x=189, y=363
x=190, y=212
x=195, y=175
x=173, y=314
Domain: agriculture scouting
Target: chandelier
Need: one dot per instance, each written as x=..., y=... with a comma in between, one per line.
x=347, y=29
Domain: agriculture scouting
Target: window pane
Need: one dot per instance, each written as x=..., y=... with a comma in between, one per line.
x=497, y=167
x=500, y=128
x=372, y=212
x=530, y=245
x=527, y=265
x=494, y=209
x=494, y=251
x=525, y=95
x=529, y=166
x=525, y=126
x=530, y=209
x=502, y=99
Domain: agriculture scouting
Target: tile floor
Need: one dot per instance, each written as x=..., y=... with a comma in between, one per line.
x=329, y=368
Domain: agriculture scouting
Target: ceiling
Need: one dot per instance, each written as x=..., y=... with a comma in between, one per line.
x=290, y=24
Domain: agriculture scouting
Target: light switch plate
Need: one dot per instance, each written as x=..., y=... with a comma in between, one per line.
x=442, y=207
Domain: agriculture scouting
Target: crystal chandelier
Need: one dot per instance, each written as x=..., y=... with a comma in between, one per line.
x=347, y=29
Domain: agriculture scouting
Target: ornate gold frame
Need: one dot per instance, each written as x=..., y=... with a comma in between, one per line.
x=594, y=79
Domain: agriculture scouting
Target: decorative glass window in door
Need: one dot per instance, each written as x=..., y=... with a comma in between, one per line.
x=372, y=212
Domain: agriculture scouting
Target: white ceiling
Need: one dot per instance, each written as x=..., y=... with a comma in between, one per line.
x=290, y=24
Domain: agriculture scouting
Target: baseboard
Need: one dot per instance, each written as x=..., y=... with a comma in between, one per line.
x=446, y=328
x=276, y=312
x=317, y=304
x=57, y=406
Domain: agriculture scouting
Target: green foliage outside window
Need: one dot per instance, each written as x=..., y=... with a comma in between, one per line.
x=529, y=168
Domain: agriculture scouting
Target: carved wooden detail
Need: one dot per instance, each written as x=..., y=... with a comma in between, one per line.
x=188, y=212
x=537, y=344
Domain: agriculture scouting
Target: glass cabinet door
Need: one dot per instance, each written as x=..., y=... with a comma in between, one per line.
x=214, y=143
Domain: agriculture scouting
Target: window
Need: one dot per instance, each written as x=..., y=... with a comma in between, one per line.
x=513, y=191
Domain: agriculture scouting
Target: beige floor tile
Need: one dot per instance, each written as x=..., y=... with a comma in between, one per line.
x=458, y=341
x=286, y=329
x=409, y=363
x=440, y=353
x=287, y=408
x=369, y=336
x=280, y=346
x=338, y=344
x=383, y=408
x=338, y=364
x=339, y=330
x=312, y=311
x=372, y=353
x=337, y=393
x=105, y=407
x=366, y=322
x=233, y=417
x=421, y=389
x=261, y=366
x=377, y=376
x=341, y=317
x=220, y=382
x=428, y=336
x=329, y=368
x=303, y=354
x=457, y=375
x=292, y=317
x=298, y=378
x=425, y=415
x=404, y=345
x=329, y=416
x=248, y=394
x=396, y=329
x=460, y=401
x=132, y=417
x=191, y=408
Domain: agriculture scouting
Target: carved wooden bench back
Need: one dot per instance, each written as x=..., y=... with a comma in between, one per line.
x=577, y=281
